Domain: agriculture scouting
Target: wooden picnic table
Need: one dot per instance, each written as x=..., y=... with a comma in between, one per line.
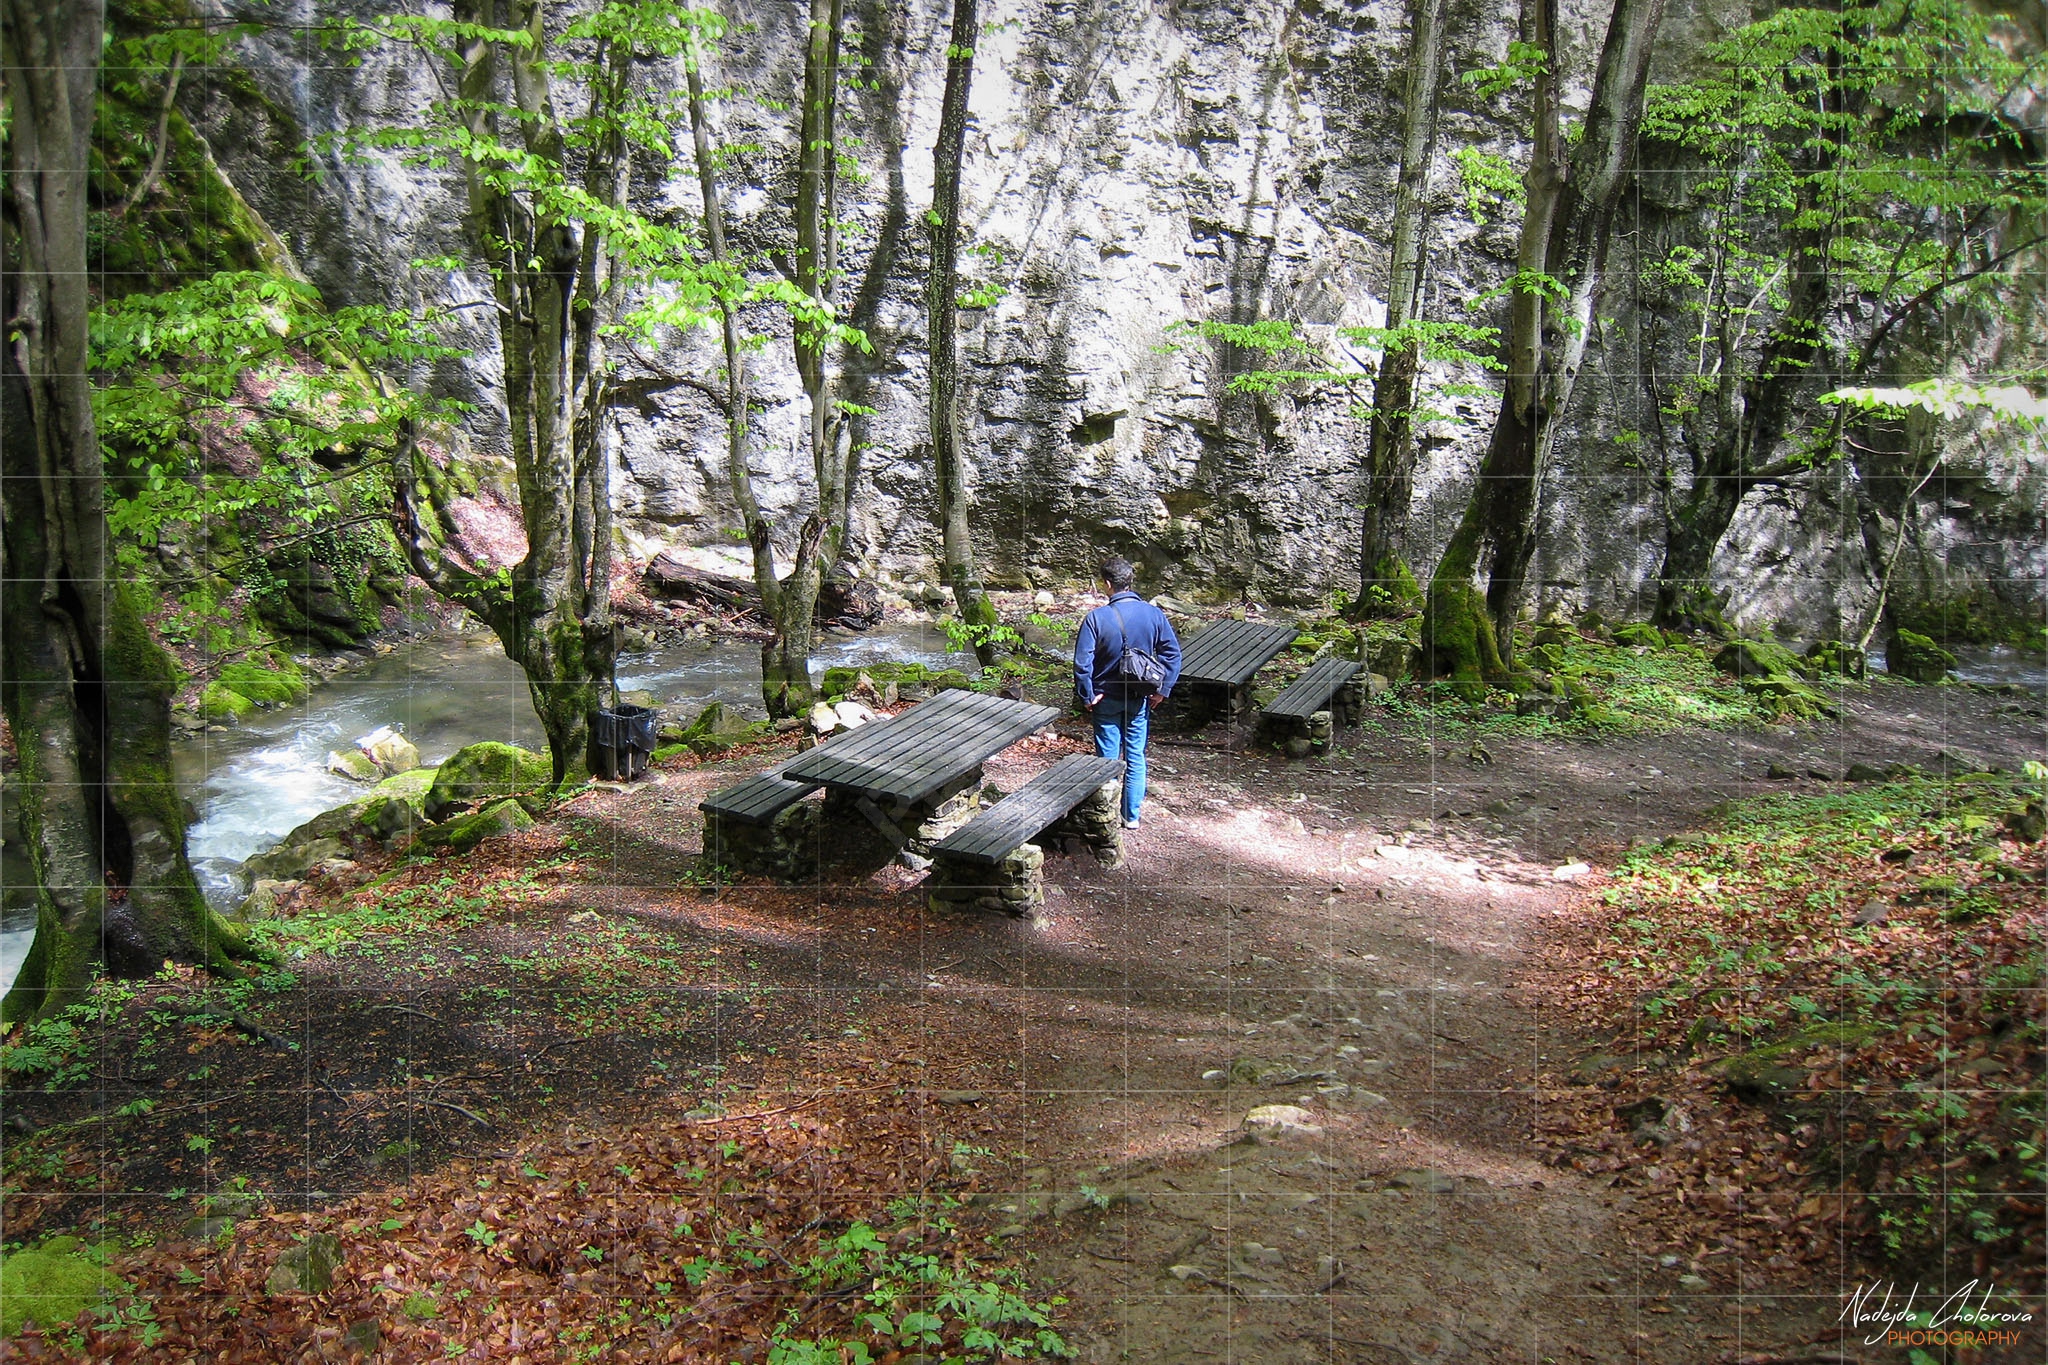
x=922, y=752
x=1229, y=652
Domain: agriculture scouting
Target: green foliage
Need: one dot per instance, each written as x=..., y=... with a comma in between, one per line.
x=1524, y=62
x=1950, y=398
x=1290, y=359
x=244, y=362
x=920, y=1301
x=1829, y=130
x=554, y=174
x=1490, y=183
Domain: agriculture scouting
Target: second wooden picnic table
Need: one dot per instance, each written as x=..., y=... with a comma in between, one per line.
x=912, y=778
x=1216, y=667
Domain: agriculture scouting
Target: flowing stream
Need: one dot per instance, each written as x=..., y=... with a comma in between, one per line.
x=256, y=782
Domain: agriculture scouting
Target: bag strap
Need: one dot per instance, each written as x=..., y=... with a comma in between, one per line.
x=1123, y=627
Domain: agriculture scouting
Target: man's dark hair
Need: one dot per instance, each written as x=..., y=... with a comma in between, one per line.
x=1118, y=573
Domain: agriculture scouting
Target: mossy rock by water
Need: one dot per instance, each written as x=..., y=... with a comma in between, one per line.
x=1918, y=658
x=838, y=682
x=717, y=728
x=264, y=686
x=1759, y=659
x=465, y=832
x=221, y=702
x=51, y=1284
x=1771, y=1072
x=482, y=773
x=396, y=805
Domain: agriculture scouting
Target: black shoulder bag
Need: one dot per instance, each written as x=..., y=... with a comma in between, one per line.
x=1135, y=667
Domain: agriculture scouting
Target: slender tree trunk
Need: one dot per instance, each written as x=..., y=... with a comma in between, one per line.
x=786, y=660
x=943, y=329
x=1560, y=265
x=1460, y=639
x=1580, y=231
x=739, y=475
x=552, y=287
x=1390, y=453
x=1749, y=431
x=85, y=689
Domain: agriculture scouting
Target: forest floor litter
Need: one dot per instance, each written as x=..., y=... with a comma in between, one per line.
x=1330, y=1069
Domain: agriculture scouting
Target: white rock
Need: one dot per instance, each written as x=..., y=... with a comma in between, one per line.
x=852, y=714
x=1042, y=598
x=824, y=719
x=1570, y=872
x=1282, y=1120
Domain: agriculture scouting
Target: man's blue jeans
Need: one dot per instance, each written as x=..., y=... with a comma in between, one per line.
x=1120, y=730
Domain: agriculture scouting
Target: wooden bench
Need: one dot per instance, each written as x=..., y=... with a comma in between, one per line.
x=1289, y=719
x=989, y=863
x=756, y=827
x=1217, y=665
x=1311, y=692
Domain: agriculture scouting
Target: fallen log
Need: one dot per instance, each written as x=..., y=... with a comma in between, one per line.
x=671, y=579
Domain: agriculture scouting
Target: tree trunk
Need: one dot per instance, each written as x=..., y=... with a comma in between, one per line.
x=739, y=475
x=1576, y=237
x=957, y=541
x=1749, y=431
x=85, y=689
x=786, y=661
x=555, y=292
x=1385, y=581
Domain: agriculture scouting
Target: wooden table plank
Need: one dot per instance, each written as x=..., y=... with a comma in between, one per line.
x=938, y=768
x=1229, y=652
x=913, y=754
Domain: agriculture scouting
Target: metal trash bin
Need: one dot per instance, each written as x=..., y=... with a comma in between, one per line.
x=621, y=741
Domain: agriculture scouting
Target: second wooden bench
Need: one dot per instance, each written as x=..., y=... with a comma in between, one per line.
x=1291, y=719
x=993, y=862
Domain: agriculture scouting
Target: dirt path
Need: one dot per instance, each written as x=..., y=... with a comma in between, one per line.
x=1343, y=936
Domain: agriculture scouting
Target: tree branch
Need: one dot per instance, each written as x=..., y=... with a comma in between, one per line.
x=163, y=138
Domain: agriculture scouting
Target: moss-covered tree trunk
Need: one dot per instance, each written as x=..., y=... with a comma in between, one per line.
x=786, y=661
x=85, y=689
x=1560, y=264
x=963, y=574
x=1386, y=585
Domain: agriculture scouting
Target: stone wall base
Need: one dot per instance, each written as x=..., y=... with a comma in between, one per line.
x=1096, y=825
x=1014, y=886
x=785, y=848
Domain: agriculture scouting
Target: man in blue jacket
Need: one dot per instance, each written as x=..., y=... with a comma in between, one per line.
x=1104, y=664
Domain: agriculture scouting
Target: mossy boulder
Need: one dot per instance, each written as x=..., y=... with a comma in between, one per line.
x=717, y=728
x=307, y=1268
x=465, y=832
x=482, y=773
x=1836, y=658
x=1786, y=697
x=263, y=686
x=221, y=702
x=1639, y=634
x=49, y=1285
x=909, y=679
x=1759, y=659
x=397, y=805
x=353, y=765
x=1915, y=657
x=1774, y=1072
